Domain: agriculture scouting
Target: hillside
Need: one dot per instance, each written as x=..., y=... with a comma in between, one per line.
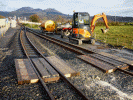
x=52, y=13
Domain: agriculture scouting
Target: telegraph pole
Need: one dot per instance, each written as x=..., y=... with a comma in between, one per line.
x=115, y=17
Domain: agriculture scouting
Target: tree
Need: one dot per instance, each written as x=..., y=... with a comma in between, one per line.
x=35, y=18
x=59, y=18
x=1, y=17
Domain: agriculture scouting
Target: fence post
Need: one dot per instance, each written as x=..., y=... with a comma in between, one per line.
x=117, y=41
x=95, y=35
x=1, y=30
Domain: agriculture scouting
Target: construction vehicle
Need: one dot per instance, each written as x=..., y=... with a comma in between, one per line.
x=81, y=28
x=66, y=29
x=48, y=26
x=95, y=19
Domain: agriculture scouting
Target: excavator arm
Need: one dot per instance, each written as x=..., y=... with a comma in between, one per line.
x=95, y=19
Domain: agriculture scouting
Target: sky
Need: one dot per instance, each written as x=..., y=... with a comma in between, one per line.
x=93, y=7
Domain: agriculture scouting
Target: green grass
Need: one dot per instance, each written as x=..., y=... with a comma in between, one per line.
x=117, y=35
x=32, y=26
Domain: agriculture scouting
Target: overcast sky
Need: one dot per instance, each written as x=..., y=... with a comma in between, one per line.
x=110, y=7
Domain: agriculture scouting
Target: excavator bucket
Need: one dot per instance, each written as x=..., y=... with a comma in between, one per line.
x=104, y=31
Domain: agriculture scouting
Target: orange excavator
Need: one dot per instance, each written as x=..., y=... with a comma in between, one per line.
x=81, y=28
x=97, y=17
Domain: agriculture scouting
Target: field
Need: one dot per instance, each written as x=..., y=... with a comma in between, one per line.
x=116, y=36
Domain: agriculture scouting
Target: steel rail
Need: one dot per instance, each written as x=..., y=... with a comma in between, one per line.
x=61, y=74
x=125, y=71
x=60, y=43
x=33, y=66
x=70, y=44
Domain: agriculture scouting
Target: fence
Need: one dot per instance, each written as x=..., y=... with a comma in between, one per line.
x=5, y=24
x=2, y=22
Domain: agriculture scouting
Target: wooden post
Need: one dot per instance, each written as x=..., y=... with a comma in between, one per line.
x=117, y=41
x=95, y=35
x=1, y=30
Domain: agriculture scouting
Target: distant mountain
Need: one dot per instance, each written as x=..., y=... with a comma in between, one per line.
x=51, y=13
x=25, y=10
x=4, y=13
x=28, y=10
x=37, y=10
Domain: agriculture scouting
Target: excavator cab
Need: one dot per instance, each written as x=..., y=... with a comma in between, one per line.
x=81, y=28
x=81, y=25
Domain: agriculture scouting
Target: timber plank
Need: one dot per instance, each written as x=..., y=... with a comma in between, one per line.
x=32, y=75
x=129, y=62
x=108, y=60
x=125, y=66
x=40, y=68
x=48, y=67
x=97, y=63
x=22, y=73
x=60, y=65
x=47, y=72
x=18, y=72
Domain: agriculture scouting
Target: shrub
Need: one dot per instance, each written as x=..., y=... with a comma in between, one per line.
x=35, y=18
x=1, y=17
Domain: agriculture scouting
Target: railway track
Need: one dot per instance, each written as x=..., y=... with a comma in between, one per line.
x=74, y=48
x=91, y=81
x=106, y=62
x=33, y=52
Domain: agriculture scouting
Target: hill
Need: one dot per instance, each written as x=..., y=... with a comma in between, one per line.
x=52, y=13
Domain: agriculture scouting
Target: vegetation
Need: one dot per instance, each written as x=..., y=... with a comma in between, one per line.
x=113, y=23
x=35, y=18
x=1, y=17
x=116, y=36
x=32, y=26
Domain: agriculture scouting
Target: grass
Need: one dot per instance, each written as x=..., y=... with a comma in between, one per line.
x=32, y=26
x=116, y=36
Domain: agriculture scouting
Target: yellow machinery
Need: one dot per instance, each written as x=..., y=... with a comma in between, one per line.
x=48, y=26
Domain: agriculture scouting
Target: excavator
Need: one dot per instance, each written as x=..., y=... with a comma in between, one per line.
x=97, y=17
x=81, y=28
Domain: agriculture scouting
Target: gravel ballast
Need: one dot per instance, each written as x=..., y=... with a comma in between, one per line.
x=92, y=81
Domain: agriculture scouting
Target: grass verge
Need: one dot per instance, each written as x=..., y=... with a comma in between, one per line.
x=32, y=26
x=116, y=36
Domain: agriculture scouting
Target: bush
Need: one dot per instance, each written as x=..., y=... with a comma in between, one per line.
x=35, y=18
x=1, y=17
